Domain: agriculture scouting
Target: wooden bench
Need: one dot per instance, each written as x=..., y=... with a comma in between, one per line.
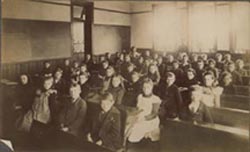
x=235, y=101
x=242, y=90
x=230, y=117
x=180, y=136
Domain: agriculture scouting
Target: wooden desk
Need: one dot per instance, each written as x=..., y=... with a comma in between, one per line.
x=180, y=136
x=44, y=138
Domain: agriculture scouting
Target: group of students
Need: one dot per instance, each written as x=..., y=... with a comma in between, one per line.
x=158, y=86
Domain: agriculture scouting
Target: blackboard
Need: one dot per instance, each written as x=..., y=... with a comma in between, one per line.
x=25, y=40
x=108, y=38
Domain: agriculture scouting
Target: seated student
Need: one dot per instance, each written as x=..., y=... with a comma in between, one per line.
x=237, y=79
x=171, y=99
x=75, y=68
x=204, y=58
x=24, y=94
x=110, y=72
x=169, y=63
x=44, y=107
x=127, y=75
x=133, y=89
x=210, y=92
x=125, y=64
x=178, y=72
x=84, y=84
x=200, y=70
x=66, y=70
x=155, y=57
x=59, y=82
x=212, y=67
x=185, y=63
x=117, y=89
x=198, y=110
x=134, y=55
x=72, y=116
x=227, y=59
x=144, y=69
x=89, y=62
x=106, y=128
x=47, y=70
x=147, y=55
x=103, y=68
x=153, y=74
x=147, y=123
x=219, y=62
x=240, y=67
x=226, y=83
x=161, y=66
x=139, y=64
x=194, y=60
x=84, y=70
x=118, y=63
x=108, y=57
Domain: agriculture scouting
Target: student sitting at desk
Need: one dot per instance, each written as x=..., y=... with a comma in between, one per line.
x=71, y=117
x=147, y=124
x=106, y=128
x=117, y=89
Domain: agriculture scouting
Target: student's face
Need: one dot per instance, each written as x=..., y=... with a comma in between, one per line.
x=106, y=105
x=208, y=80
x=127, y=58
x=176, y=65
x=190, y=75
x=88, y=57
x=121, y=57
x=58, y=75
x=170, y=81
x=231, y=67
x=109, y=72
x=74, y=92
x=24, y=79
x=76, y=65
x=195, y=57
x=204, y=57
x=83, y=79
x=116, y=82
x=147, y=89
x=105, y=65
x=227, y=80
x=152, y=69
x=130, y=68
x=156, y=56
x=66, y=62
x=211, y=65
x=159, y=60
x=185, y=58
x=83, y=68
x=48, y=84
x=135, y=78
x=47, y=65
x=170, y=58
x=147, y=53
x=240, y=65
x=218, y=57
x=200, y=65
x=141, y=60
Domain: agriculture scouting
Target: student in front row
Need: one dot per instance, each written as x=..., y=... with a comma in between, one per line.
x=106, y=127
x=171, y=99
x=147, y=123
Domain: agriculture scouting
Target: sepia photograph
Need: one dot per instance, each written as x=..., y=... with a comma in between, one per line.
x=124, y=76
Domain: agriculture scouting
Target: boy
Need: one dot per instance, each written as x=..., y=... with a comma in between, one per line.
x=171, y=99
x=106, y=128
x=72, y=116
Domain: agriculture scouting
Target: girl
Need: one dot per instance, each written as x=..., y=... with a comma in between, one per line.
x=147, y=124
x=117, y=89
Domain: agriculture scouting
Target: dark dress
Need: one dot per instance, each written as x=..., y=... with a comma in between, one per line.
x=171, y=102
